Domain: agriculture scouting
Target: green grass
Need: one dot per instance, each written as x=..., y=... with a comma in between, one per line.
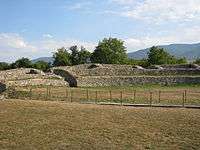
x=145, y=87
x=149, y=87
x=56, y=125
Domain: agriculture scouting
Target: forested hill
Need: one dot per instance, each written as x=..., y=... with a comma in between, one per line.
x=190, y=51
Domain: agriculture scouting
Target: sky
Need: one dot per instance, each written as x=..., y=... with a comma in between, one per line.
x=36, y=28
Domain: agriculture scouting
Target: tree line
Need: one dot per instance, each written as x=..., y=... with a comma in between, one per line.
x=108, y=51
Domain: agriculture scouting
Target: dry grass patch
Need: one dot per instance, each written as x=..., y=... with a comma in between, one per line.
x=57, y=125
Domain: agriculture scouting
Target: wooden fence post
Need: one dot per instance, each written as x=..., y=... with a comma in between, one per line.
x=30, y=93
x=185, y=96
x=47, y=91
x=71, y=95
x=134, y=96
x=96, y=97
x=121, y=96
x=87, y=95
x=66, y=93
x=110, y=95
x=183, y=99
x=159, y=96
x=151, y=94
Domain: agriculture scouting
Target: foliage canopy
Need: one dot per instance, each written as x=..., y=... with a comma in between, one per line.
x=110, y=51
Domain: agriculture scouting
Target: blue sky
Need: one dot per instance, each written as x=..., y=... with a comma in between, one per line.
x=35, y=28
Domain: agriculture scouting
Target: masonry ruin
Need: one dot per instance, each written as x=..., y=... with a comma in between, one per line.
x=91, y=75
x=2, y=87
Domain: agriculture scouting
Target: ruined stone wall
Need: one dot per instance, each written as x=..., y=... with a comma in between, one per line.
x=17, y=74
x=135, y=72
x=2, y=87
x=183, y=66
x=116, y=75
x=127, y=70
x=131, y=80
x=37, y=82
x=24, y=77
x=24, y=73
x=69, y=77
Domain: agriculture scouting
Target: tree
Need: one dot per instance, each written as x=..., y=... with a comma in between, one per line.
x=110, y=51
x=42, y=65
x=61, y=57
x=158, y=56
x=74, y=55
x=79, y=56
x=4, y=66
x=22, y=63
x=197, y=61
x=141, y=62
x=84, y=56
x=181, y=61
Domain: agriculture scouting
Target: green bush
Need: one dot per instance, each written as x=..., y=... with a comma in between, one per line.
x=197, y=61
x=4, y=66
x=41, y=65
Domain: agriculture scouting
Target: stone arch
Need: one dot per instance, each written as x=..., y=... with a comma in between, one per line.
x=70, y=78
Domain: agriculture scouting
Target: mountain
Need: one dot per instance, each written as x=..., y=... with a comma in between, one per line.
x=190, y=51
x=45, y=59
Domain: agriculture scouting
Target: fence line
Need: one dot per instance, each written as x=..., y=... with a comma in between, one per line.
x=179, y=97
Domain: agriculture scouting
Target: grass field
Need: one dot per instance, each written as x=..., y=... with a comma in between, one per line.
x=57, y=125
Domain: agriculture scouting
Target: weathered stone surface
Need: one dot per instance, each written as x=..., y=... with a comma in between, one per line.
x=138, y=67
x=36, y=71
x=155, y=67
x=69, y=77
x=2, y=87
x=28, y=76
x=94, y=66
x=115, y=75
x=128, y=70
x=127, y=81
x=103, y=75
x=196, y=66
x=182, y=66
x=38, y=82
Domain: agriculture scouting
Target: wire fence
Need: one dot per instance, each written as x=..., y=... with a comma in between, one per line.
x=122, y=97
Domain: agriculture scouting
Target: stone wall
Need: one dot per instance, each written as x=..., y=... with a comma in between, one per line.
x=116, y=75
x=70, y=78
x=37, y=82
x=127, y=70
x=29, y=76
x=102, y=75
x=2, y=87
x=127, y=81
x=183, y=66
x=24, y=73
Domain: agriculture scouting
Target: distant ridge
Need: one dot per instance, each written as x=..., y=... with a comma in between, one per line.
x=45, y=59
x=190, y=51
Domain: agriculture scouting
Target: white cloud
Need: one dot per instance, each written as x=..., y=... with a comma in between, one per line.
x=47, y=36
x=13, y=46
x=79, y=5
x=161, y=10
x=182, y=35
x=52, y=44
x=123, y=2
x=14, y=41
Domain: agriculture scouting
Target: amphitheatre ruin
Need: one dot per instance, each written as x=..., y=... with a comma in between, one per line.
x=92, y=75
